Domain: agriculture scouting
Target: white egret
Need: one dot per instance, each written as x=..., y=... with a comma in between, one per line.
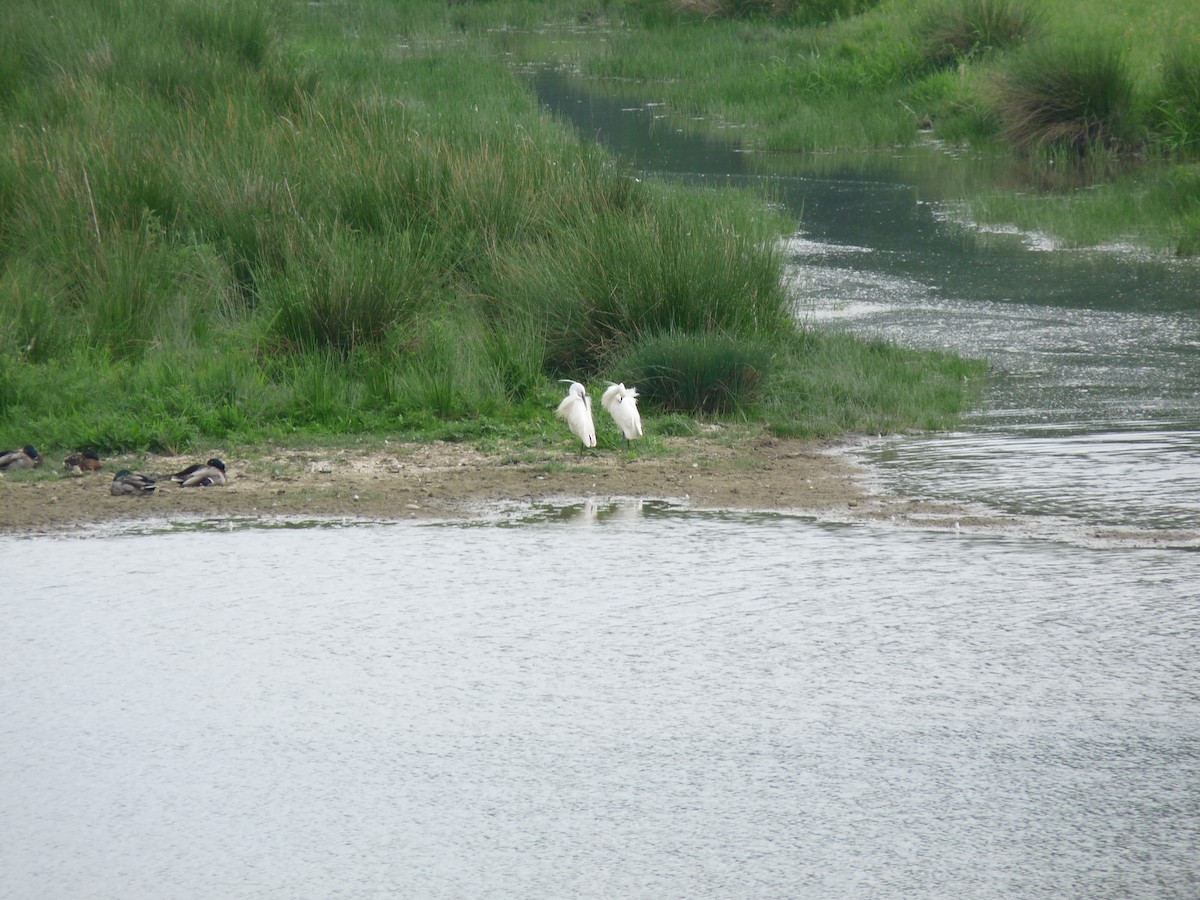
x=621, y=403
x=576, y=411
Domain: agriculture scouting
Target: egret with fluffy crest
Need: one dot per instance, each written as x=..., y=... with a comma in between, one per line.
x=621, y=403
x=576, y=410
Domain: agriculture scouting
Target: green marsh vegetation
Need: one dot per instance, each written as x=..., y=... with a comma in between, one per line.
x=1098, y=103
x=244, y=221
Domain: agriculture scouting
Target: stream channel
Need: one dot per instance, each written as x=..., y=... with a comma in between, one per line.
x=629, y=699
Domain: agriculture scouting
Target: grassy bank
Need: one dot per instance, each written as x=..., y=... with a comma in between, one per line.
x=250, y=220
x=1099, y=102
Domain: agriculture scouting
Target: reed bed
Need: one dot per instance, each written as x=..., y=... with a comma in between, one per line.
x=1108, y=90
x=243, y=219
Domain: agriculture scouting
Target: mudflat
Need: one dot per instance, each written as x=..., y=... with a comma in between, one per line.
x=389, y=480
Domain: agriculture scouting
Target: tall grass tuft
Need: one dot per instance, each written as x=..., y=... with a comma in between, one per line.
x=1075, y=96
x=343, y=290
x=954, y=31
x=37, y=324
x=711, y=373
x=321, y=397
x=126, y=288
x=1176, y=115
x=668, y=269
x=243, y=30
x=796, y=12
x=451, y=370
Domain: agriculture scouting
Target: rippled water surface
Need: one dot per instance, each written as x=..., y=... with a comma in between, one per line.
x=624, y=699
x=613, y=700
x=1091, y=415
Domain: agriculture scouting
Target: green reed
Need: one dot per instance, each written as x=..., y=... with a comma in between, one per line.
x=1067, y=95
x=834, y=384
x=1176, y=112
x=245, y=219
x=709, y=373
x=956, y=31
x=1077, y=79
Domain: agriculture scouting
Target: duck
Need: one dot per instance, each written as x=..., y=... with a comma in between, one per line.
x=201, y=474
x=621, y=404
x=25, y=458
x=576, y=410
x=85, y=461
x=126, y=482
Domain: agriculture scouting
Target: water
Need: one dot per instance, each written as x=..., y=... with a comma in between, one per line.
x=603, y=700
x=1091, y=417
x=628, y=699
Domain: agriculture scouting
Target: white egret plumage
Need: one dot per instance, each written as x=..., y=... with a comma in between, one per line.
x=621, y=403
x=576, y=410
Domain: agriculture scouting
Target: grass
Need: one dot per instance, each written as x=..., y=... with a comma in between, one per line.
x=765, y=75
x=248, y=220
x=955, y=32
x=710, y=373
x=782, y=88
x=1176, y=112
x=1049, y=85
x=1102, y=214
x=794, y=12
x=1070, y=96
x=833, y=384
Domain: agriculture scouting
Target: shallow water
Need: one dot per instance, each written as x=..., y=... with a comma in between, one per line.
x=600, y=700
x=627, y=699
x=1091, y=417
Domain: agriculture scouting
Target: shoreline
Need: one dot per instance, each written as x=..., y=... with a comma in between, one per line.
x=439, y=480
x=385, y=481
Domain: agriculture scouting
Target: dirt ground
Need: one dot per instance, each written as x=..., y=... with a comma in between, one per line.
x=444, y=480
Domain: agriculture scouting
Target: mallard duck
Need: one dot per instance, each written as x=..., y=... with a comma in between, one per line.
x=87, y=461
x=25, y=458
x=201, y=474
x=126, y=482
